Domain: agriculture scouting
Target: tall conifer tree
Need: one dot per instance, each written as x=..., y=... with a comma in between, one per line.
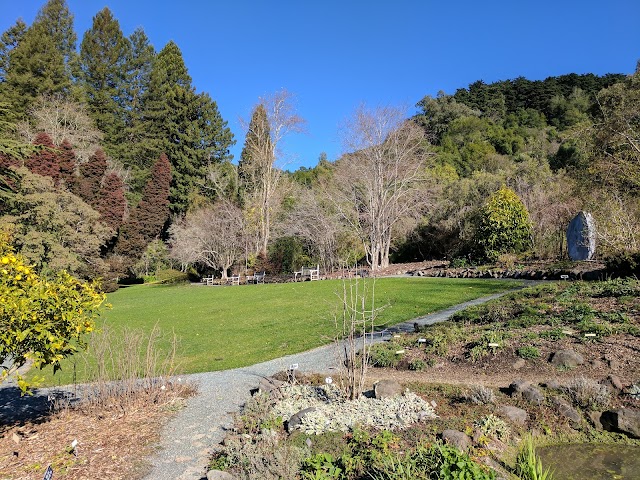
x=111, y=203
x=103, y=56
x=91, y=174
x=44, y=162
x=184, y=125
x=41, y=63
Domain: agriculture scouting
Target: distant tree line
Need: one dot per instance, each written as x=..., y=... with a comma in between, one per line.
x=113, y=166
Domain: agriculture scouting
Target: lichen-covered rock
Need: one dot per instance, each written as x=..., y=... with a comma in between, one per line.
x=458, y=439
x=296, y=419
x=387, y=389
x=219, y=475
x=566, y=410
x=515, y=414
x=567, y=359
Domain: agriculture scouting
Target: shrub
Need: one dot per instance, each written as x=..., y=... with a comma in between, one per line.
x=480, y=395
x=588, y=393
x=492, y=426
x=384, y=354
x=528, y=352
x=417, y=365
x=528, y=464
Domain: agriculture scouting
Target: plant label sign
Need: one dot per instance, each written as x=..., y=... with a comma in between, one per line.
x=48, y=475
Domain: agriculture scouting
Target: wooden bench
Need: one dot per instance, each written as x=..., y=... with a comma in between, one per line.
x=233, y=280
x=307, y=272
x=256, y=278
x=208, y=281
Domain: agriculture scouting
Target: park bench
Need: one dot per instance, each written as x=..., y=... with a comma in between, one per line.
x=208, y=281
x=233, y=280
x=256, y=278
x=307, y=272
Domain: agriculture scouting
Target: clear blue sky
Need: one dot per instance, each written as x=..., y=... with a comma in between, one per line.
x=335, y=54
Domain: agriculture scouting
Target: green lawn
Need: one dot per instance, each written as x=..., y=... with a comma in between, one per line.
x=234, y=326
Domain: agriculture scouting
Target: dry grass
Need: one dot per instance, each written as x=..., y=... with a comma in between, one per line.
x=116, y=419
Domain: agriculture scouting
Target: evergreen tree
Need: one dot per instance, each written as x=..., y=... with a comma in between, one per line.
x=111, y=203
x=67, y=162
x=9, y=40
x=184, y=125
x=42, y=60
x=149, y=217
x=257, y=140
x=44, y=162
x=103, y=55
x=131, y=150
x=504, y=225
x=91, y=174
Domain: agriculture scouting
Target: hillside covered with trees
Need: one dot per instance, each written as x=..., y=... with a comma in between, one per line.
x=114, y=166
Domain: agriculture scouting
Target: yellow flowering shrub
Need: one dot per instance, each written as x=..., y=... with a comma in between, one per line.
x=42, y=320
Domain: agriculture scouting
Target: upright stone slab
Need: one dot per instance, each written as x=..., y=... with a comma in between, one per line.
x=581, y=237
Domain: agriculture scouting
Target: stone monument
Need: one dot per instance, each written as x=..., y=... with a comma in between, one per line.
x=581, y=237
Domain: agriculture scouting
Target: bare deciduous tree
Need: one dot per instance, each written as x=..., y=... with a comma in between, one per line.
x=274, y=118
x=211, y=236
x=380, y=182
x=63, y=119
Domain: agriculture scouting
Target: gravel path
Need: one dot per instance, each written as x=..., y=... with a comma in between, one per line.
x=187, y=438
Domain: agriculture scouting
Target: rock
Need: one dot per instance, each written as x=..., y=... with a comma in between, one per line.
x=387, y=389
x=219, y=475
x=296, y=418
x=566, y=410
x=552, y=384
x=458, y=439
x=596, y=364
x=567, y=359
x=518, y=364
x=614, y=382
x=595, y=419
x=269, y=385
x=622, y=420
x=581, y=237
x=515, y=414
x=533, y=395
x=518, y=386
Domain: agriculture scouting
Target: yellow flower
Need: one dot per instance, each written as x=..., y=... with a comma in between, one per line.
x=5, y=260
x=18, y=278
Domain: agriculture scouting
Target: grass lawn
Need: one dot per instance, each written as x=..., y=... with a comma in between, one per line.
x=235, y=326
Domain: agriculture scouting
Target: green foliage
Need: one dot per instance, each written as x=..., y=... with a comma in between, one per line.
x=528, y=464
x=42, y=320
x=528, y=352
x=286, y=255
x=504, y=225
x=492, y=426
x=384, y=354
x=417, y=365
x=320, y=467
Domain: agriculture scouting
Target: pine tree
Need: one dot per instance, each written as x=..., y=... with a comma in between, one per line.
x=103, y=56
x=257, y=140
x=44, y=162
x=42, y=60
x=91, y=174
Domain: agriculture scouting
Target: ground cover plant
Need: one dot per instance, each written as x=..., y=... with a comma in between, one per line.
x=228, y=327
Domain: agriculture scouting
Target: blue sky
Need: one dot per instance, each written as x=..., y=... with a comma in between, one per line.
x=335, y=55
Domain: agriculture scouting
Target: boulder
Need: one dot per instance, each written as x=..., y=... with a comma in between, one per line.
x=458, y=439
x=219, y=475
x=566, y=410
x=622, y=420
x=614, y=382
x=581, y=237
x=387, y=389
x=296, y=418
x=533, y=395
x=515, y=414
x=567, y=359
x=518, y=364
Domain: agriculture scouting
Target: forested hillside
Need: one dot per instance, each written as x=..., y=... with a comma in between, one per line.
x=114, y=166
